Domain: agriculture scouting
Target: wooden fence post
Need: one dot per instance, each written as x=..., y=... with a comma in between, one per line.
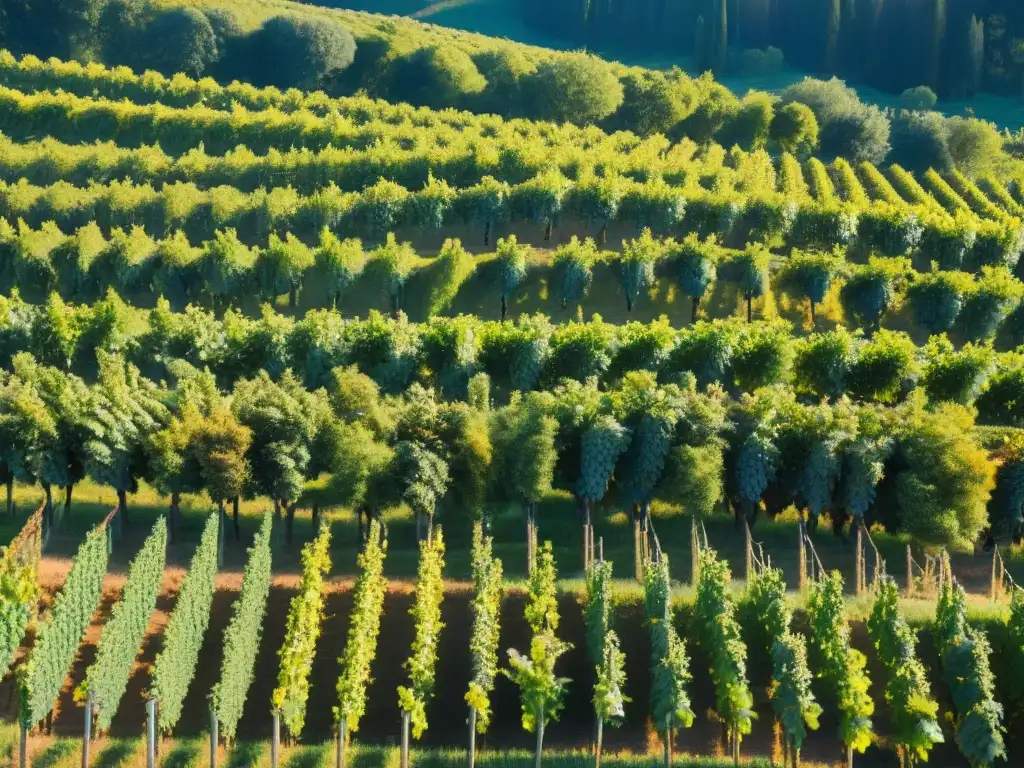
x=275, y=737
x=749, y=550
x=213, y=738
x=803, y=554
x=995, y=558
x=87, y=733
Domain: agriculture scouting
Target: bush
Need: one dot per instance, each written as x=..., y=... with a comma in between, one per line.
x=849, y=127
x=439, y=76
x=920, y=141
x=503, y=69
x=653, y=102
x=178, y=40
x=975, y=145
x=579, y=88
x=750, y=126
x=290, y=52
x=795, y=128
x=921, y=97
x=760, y=61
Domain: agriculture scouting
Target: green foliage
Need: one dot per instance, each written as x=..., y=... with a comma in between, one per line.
x=792, y=699
x=364, y=629
x=175, y=665
x=243, y=633
x=107, y=677
x=808, y=275
x=342, y=261
x=872, y=289
x=821, y=364
x=747, y=271
x=541, y=691
x=58, y=636
x=795, y=128
x=512, y=264
x=542, y=588
x=843, y=668
x=965, y=652
x=294, y=52
x=597, y=609
x=576, y=87
x=670, y=665
x=573, y=266
x=936, y=298
x=394, y=262
x=483, y=643
x=523, y=437
x=609, y=700
x=770, y=616
x=301, y=633
x=19, y=596
x=636, y=266
x=943, y=490
x=427, y=611
x=955, y=375
x=913, y=711
x=455, y=265
x=1015, y=647
x=719, y=637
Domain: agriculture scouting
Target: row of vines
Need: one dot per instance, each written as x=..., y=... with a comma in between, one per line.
x=823, y=647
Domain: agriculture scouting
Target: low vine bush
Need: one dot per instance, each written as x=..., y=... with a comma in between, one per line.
x=175, y=665
x=305, y=615
x=242, y=636
x=107, y=677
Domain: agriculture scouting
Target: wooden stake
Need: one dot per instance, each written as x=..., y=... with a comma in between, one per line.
x=995, y=558
x=275, y=737
x=405, y=739
x=213, y=738
x=151, y=733
x=750, y=550
x=87, y=735
x=472, y=737
x=803, y=554
x=910, y=573
x=23, y=747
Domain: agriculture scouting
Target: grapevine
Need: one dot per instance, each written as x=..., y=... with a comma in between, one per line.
x=303, y=630
x=487, y=594
x=107, y=677
x=243, y=633
x=59, y=635
x=364, y=628
x=426, y=609
x=175, y=665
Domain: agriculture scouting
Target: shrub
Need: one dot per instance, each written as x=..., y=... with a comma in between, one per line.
x=293, y=52
x=575, y=88
x=178, y=40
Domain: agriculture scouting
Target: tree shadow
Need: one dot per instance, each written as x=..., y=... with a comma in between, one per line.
x=54, y=754
x=182, y=756
x=117, y=754
x=313, y=756
x=245, y=753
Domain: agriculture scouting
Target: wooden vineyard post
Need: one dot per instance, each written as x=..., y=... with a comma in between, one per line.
x=995, y=558
x=151, y=733
x=803, y=554
x=694, y=553
x=23, y=746
x=859, y=555
x=342, y=742
x=405, y=739
x=213, y=738
x=275, y=737
x=87, y=733
x=472, y=737
x=910, y=573
x=668, y=741
x=749, y=546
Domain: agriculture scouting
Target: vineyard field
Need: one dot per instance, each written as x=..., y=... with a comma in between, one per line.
x=397, y=629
